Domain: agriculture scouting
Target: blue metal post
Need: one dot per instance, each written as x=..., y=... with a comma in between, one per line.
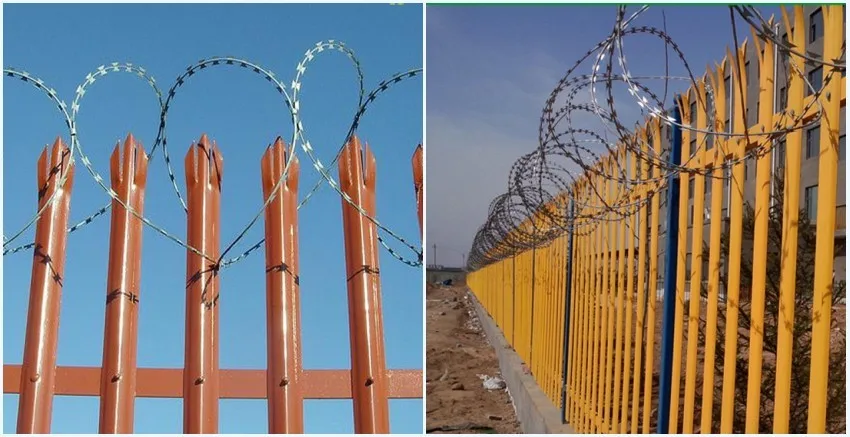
x=670, y=259
x=571, y=221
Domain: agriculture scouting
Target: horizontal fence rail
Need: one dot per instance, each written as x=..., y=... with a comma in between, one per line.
x=202, y=383
x=616, y=291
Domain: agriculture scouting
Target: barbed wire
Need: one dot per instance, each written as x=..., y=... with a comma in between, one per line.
x=543, y=184
x=291, y=98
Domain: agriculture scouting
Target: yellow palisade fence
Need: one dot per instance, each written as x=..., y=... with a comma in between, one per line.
x=614, y=298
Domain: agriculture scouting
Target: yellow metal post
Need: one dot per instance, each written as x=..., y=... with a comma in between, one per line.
x=641, y=277
x=590, y=314
x=630, y=234
x=825, y=243
x=652, y=278
x=717, y=158
x=579, y=372
x=574, y=315
x=696, y=272
x=576, y=319
x=597, y=331
x=788, y=260
x=609, y=273
x=605, y=381
x=621, y=259
x=586, y=316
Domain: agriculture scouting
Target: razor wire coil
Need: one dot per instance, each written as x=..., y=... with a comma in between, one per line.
x=541, y=184
x=291, y=98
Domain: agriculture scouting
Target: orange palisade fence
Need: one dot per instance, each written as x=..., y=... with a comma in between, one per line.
x=201, y=383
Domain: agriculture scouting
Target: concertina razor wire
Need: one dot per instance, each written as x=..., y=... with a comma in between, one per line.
x=534, y=210
x=291, y=97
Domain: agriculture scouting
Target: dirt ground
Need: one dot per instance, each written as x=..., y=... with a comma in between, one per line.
x=457, y=353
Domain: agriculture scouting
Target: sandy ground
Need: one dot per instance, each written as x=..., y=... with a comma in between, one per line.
x=457, y=353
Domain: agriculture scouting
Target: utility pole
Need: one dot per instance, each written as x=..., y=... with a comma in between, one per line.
x=435, y=255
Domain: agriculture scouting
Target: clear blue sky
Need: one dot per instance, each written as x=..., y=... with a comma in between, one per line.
x=490, y=71
x=243, y=113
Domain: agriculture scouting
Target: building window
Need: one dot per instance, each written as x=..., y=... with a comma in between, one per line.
x=786, y=57
x=842, y=149
x=758, y=105
x=816, y=79
x=694, y=113
x=815, y=25
x=693, y=143
x=812, y=142
x=747, y=70
x=746, y=168
x=811, y=199
x=708, y=183
x=728, y=125
x=783, y=99
x=688, y=268
x=779, y=151
x=691, y=185
x=841, y=217
x=690, y=216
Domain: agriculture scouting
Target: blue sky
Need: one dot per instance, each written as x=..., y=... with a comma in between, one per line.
x=243, y=113
x=490, y=71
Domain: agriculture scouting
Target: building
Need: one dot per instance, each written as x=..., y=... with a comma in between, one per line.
x=810, y=160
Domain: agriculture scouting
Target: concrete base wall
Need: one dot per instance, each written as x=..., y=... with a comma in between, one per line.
x=536, y=413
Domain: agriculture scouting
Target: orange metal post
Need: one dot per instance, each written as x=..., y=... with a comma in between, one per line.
x=283, y=335
x=118, y=378
x=200, y=377
x=368, y=363
x=418, y=182
x=39, y=364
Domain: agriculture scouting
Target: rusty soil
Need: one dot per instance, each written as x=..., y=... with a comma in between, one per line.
x=458, y=352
